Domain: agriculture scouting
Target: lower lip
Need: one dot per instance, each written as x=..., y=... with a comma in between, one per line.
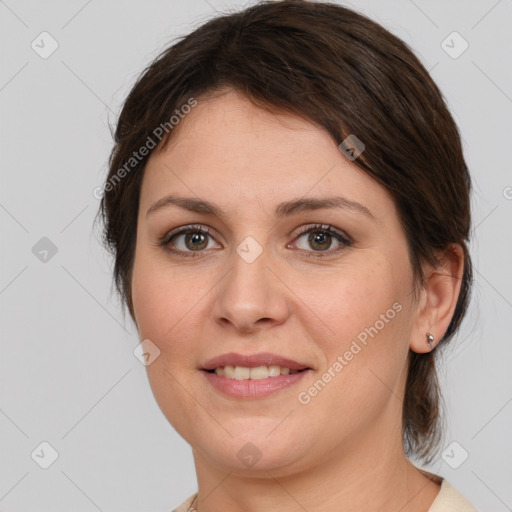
x=253, y=388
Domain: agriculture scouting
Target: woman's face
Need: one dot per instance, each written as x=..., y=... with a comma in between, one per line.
x=337, y=303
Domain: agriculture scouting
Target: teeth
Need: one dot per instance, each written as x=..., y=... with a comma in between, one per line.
x=255, y=373
x=242, y=373
x=229, y=372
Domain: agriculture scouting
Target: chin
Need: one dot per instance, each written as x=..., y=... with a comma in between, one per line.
x=254, y=447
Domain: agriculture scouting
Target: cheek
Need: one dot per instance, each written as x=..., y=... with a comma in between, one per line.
x=364, y=327
x=365, y=350
x=171, y=309
x=352, y=300
x=165, y=306
x=162, y=297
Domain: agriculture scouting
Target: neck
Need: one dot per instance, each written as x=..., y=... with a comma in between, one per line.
x=379, y=478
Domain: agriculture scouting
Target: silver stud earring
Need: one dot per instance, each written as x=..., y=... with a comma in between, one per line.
x=430, y=340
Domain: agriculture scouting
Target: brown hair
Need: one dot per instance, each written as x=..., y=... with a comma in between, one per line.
x=337, y=68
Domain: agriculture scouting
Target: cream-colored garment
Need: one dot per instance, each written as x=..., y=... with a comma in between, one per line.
x=449, y=499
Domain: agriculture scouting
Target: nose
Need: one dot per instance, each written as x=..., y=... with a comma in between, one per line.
x=251, y=296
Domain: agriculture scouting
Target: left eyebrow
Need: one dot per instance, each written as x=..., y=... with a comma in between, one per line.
x=313, y=203
x=282, y=210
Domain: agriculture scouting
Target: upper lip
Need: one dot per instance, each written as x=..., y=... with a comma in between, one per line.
x=252, y=360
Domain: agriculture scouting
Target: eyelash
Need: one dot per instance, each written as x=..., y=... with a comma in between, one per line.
x=196, y=228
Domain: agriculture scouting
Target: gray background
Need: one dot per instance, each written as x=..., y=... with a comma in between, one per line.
x=68, y=375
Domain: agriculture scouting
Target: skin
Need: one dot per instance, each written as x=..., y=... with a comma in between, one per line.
x=343, y=450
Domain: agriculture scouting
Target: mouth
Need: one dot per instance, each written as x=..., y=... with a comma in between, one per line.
x=252, y=376
x=253, y=373
x=253, y=366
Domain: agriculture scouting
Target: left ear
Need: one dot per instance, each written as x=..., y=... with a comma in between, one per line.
x=438, y=298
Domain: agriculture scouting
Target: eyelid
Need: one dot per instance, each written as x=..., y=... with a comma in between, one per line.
x=166, y=238
x=324, y=227
x=343, y=238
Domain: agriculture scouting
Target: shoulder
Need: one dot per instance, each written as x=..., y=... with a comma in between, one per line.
x=185, y=506
x=450, y=499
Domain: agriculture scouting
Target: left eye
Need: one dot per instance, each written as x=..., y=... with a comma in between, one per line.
x=321, y=237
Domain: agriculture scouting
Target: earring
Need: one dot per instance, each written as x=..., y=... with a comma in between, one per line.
x=430, y=340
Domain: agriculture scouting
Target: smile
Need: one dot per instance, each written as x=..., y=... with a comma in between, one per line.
x=254, y=373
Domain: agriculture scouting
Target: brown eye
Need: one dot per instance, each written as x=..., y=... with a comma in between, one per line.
x=188, y=240
x=320, y=238
x=196, y=241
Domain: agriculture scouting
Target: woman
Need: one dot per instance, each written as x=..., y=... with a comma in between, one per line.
x=288, y=207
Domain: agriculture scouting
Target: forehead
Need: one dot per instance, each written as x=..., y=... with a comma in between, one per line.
x=228, y=149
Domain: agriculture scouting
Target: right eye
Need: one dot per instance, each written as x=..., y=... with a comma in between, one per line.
x=188, y=240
